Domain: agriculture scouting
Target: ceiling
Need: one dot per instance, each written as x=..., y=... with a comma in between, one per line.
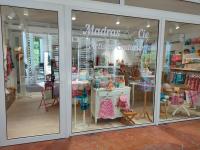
x=104, y=20
x=35, y=17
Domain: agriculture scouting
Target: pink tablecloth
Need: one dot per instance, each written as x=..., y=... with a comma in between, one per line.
x=79, y=86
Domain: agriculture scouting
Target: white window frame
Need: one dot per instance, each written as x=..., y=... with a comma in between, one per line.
x=131, y=11
x=62, y=53
x=64, y=8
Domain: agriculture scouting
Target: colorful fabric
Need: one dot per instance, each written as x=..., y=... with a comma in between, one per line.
x=192, y=96
x=178, y=78
x=84, y=102
x=106, y=110
x=177, y=99
x=9, y=62
x=77, y=90
x=123, y=102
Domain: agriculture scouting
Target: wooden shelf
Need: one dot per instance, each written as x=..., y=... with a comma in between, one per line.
x=184, y=69
x=106, y=67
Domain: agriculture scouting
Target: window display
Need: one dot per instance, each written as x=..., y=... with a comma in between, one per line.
x=181, y=72
x=113, y=70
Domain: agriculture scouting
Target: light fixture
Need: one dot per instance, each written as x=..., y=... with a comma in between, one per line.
x=26, y=12
x=117, y=22
x=148, y=26
x=177, y=27
x=11, y=15
x=73, y=17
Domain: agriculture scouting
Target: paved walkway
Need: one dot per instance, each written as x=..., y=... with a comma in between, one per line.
x=175, y=136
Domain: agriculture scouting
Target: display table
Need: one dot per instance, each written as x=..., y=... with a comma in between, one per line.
x=133, y=84
x=100, y=93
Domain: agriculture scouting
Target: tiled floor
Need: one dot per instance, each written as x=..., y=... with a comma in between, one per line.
x=24, y=118
x=176, y=136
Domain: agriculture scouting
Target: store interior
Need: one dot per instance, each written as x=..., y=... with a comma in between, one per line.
x=113, y=74
x=31, y=71
x=113, y=71
x=180, y=90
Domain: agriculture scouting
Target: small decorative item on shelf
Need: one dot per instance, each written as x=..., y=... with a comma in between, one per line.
x=110, y=64
x=97, y=83
x=188, y=42
x=135, y=72
x=198, y=52
x=110, y=85
x=105, y=72
x=121, y=82
x=186, y=51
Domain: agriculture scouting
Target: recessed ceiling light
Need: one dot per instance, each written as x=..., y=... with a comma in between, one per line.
x=73, y=18
x=26, y=12
x=148, y=26
x=177, y=27
x=11, y=15
x=118, y=22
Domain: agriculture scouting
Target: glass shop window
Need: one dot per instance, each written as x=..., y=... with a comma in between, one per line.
x=113, y=70
x=180, y=92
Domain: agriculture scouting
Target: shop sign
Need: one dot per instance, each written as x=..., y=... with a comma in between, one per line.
x=91, y=30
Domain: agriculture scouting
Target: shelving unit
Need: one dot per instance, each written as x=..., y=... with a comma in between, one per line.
x=117, y=67
x=55, y=57
x=184, y=69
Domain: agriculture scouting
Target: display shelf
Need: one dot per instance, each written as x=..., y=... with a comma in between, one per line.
x=185, y=69
x=108, y=76
x=98, y=67
x=105, y=89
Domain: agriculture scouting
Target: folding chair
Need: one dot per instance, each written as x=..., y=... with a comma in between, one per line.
x=128, y=117
x=47, y=95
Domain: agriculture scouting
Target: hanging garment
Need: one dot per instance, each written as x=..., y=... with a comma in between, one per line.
x=84, y=102
x=179, y=78
x=106, y=110
x=192, y=97
x=123, y=102
x=9, y=62
x=177, y=99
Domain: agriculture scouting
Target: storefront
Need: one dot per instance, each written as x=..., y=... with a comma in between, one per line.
x=82, y=67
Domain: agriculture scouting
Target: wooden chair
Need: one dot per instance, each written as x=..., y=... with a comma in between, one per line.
x=128, y=117
x=48, y=94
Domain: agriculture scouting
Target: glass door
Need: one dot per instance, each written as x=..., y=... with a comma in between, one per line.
x=31, y=48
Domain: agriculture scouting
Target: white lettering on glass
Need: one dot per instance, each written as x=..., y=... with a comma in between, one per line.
x=92, y=30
